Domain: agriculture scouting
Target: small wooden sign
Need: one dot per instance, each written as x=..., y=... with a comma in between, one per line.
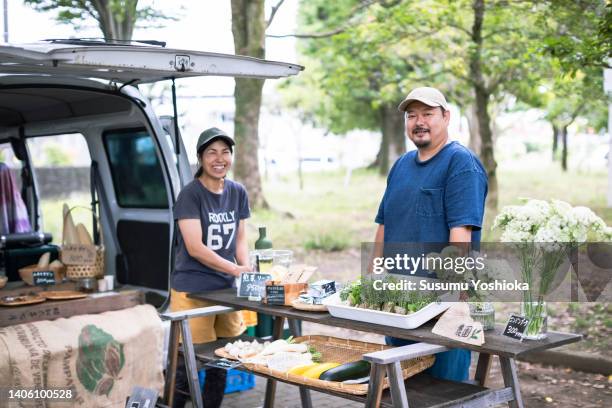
x=223, y=363
x=253, y=284
x=275, y=294
x=516, y=326
x=74, y=254
x=43, y=278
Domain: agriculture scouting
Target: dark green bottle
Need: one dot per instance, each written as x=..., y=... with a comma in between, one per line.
x=263, y=242
x=264, y=322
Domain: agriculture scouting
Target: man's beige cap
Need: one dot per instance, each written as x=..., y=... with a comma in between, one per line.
x=427, y=95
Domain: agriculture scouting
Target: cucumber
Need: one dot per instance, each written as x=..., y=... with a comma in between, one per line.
x=347, y=371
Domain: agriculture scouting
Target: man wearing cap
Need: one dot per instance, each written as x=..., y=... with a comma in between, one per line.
x=435, y=194
x=211, y=251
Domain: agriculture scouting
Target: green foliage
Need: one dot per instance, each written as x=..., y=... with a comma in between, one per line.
x=116, y=18
x=362, y=293
x=56, y=156
x=381, y=49
x=579, y=33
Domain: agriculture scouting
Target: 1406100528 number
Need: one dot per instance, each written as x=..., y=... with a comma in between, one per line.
x=21, y=394
x=216, y=233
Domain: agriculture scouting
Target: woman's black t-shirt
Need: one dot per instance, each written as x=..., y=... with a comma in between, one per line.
x=219, y=215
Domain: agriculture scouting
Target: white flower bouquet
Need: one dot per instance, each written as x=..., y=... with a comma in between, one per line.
x=545, y=233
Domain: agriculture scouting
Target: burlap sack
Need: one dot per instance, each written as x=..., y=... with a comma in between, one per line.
x=98, y=357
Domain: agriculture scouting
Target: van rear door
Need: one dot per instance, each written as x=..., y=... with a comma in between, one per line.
x=141, y=167
x=133, y=64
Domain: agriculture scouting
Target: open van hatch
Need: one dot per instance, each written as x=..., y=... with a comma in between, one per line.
x=138, y=161
x=134, y=63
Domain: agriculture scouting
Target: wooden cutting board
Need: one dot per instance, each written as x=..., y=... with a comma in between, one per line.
x=21, y=300
x=62, y=294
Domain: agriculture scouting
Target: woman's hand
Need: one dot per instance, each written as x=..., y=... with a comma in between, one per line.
x=240, y=269
x=191, y=230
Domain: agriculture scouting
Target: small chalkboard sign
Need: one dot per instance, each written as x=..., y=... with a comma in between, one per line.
x=253, y=284
x=223, y=363
x=275, y=294
x=516, y=326
x=43, y=278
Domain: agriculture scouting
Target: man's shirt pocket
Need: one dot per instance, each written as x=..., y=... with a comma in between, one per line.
x=430, y=202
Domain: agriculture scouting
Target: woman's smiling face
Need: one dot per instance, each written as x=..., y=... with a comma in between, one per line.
x=216, y=159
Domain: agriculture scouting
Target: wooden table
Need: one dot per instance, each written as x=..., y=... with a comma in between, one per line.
x=421, y=391
x=54, y=309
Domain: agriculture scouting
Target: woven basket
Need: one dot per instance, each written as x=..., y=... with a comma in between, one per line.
x=81, y=271
x=341, y=351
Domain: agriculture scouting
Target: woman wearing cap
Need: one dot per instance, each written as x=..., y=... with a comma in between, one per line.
x=211, y=251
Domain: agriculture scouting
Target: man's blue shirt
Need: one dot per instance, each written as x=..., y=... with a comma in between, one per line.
x=425, y=199
x=422, y=202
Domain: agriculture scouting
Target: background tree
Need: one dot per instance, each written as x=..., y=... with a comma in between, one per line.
x=579, y=33
x=570, y=98
x=358, y=67
x=377, y=51
x=116, y=18
x=249, y=29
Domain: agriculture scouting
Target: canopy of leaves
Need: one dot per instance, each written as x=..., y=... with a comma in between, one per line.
x=579, y=33
x=363, y=54
x=106, y=13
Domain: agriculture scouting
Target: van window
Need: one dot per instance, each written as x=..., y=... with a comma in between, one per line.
x=61, y=165
x=136, y=170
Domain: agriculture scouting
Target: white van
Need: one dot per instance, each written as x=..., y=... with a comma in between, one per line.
x=138, y=161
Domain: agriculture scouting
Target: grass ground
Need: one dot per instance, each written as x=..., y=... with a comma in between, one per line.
x=328, y=214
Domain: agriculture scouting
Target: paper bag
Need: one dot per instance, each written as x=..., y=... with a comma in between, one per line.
x=457, y=324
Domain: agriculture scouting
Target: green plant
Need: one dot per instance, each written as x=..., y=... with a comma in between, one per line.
x=328, y=242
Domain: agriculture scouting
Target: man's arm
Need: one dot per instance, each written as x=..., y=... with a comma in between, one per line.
x=191, y=230
x=379, y=239
x=461, y=237
x=460, y=234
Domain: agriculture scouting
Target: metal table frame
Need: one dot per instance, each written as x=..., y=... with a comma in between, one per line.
x=386, y=361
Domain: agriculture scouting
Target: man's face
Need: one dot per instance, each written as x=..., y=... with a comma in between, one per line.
x=426, y=125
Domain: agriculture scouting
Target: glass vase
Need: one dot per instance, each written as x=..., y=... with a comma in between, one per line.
x=537, y=314
x=483, y=312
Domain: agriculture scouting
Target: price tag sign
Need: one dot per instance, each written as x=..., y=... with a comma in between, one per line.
x=43, y=278
x=516, y=326
x=253, y=284
x=223, y=363
x=275, y=294
x=73, y=254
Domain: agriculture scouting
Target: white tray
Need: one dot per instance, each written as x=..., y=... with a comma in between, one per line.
x=337, y=308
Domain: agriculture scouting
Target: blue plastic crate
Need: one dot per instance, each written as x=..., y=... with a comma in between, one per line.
x=236, y=380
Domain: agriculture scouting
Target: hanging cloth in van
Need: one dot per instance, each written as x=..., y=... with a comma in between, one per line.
x=13, y=212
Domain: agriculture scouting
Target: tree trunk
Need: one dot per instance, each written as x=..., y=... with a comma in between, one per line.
x=248, y=27
x=482, y=97
x=563, y=135
x=472, y=118
x=393, y=142
x=116, y=24
x=555, y=143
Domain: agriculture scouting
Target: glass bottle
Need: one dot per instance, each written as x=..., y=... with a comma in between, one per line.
x=263, y=242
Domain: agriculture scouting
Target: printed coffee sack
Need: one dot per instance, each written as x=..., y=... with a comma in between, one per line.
x=98, y=357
